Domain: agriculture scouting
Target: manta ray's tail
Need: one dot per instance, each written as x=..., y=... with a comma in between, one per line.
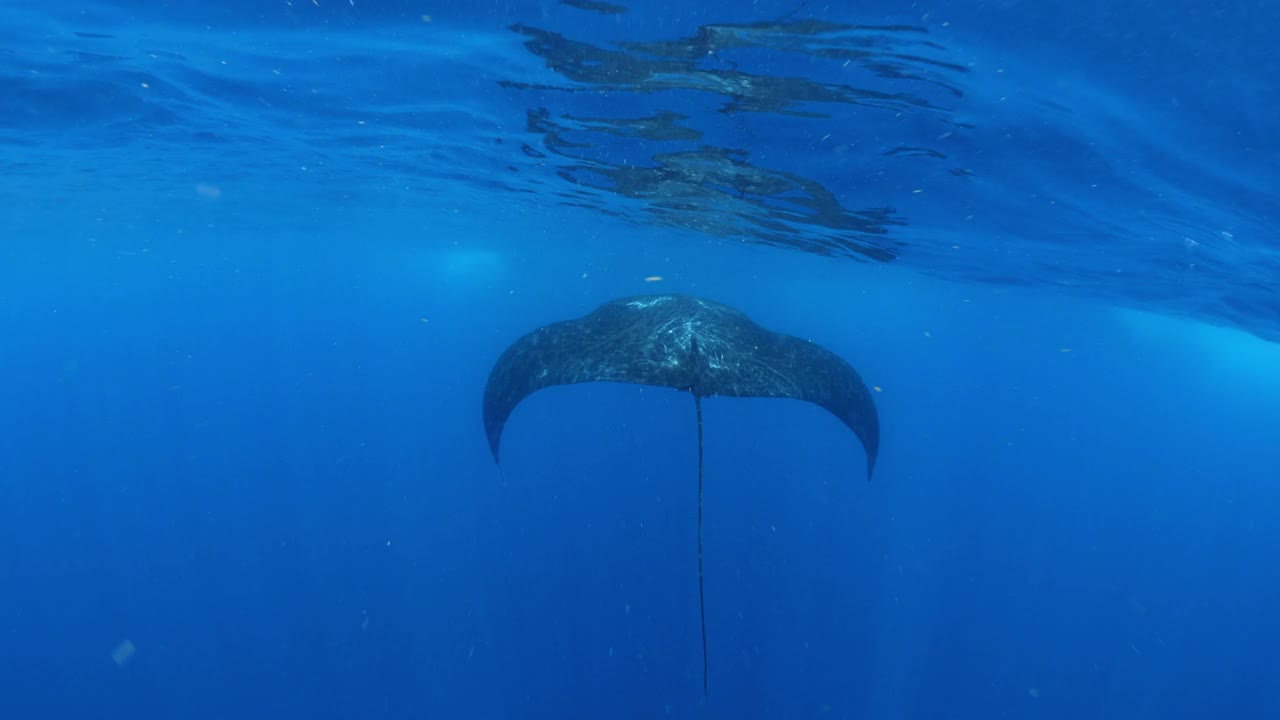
x=702, y=603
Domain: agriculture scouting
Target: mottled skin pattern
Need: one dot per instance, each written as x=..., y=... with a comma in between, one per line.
x=685, y=343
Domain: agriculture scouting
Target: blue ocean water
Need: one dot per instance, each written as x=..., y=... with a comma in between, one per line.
x=258, y=258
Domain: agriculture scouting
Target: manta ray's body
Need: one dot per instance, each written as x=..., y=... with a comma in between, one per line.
x=686, y=343
x=680, y=342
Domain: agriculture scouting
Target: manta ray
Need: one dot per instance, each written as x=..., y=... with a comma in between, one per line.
x=686, y=343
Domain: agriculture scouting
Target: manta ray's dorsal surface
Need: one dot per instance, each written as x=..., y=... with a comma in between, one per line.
x=686, y=343
x=681, y=342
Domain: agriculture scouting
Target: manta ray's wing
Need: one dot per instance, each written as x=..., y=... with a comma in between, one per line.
x=783, y=366
x=612, y=344
x=680, y=342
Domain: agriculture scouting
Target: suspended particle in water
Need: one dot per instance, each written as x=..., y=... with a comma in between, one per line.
x=123, y=652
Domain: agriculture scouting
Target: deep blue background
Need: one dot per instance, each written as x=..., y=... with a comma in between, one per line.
x=243, y=382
